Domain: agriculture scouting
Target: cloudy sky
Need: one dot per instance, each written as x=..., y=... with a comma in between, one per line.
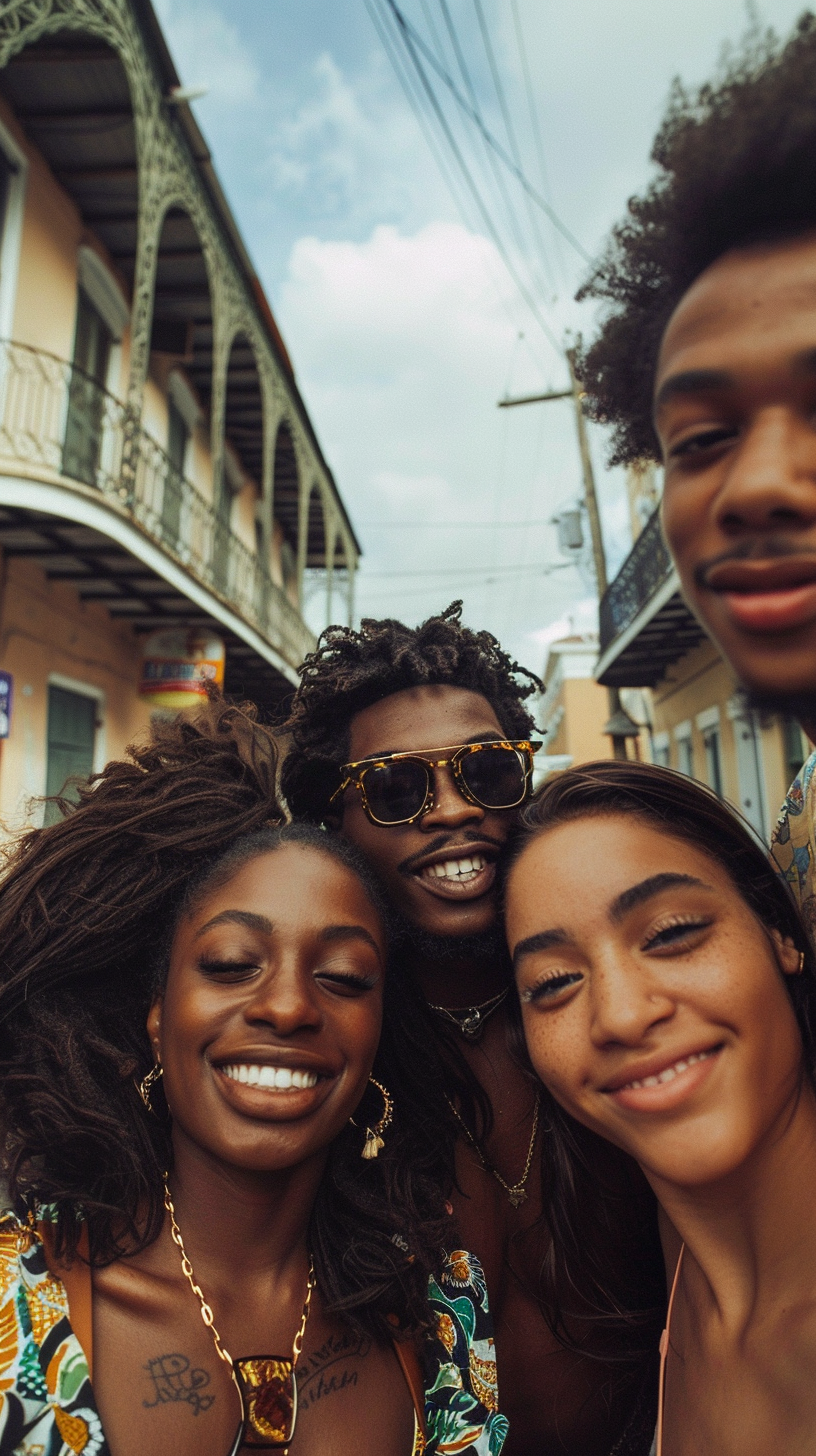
x=402, y=320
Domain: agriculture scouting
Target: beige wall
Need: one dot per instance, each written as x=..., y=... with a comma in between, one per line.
x=580, y=732
x=44, y=630
x=699, y=682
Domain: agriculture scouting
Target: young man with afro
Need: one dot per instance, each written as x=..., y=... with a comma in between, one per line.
x=706, y=362
x=417, y=744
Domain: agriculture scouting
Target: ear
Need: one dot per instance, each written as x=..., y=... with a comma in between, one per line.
x=789, y=958
x=154, y=1026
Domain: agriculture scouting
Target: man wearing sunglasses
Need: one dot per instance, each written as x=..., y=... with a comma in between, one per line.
x=418, y=745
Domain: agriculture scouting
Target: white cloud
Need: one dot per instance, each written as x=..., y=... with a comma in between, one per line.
x=209, y=51
x=403, y=348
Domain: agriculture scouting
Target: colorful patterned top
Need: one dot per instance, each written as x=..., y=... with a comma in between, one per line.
x=793, y=845
x=47, y=1405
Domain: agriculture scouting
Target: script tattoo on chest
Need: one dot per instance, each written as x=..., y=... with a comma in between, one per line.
x=175, y=1379
x=326, y=1371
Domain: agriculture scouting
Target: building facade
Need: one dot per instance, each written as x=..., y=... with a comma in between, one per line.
x=574, y=708
x=158, y=469
x=700, y=724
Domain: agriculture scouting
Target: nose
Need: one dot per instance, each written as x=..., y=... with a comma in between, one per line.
x=283, y=999
x=770, y=484
x=626, y=1001
x=450, y=808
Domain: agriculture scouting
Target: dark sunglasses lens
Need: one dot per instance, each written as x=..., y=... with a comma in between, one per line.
x=495, y=776
x=396, y=791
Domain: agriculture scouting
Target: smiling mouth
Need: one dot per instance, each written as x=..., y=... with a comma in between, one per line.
x=661, y=1079
x=281, y=1079
x=458, y=876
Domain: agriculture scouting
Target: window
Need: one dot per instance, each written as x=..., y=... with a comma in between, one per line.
x=178, y=434
x=71, y=736
x=795, y=748
x=86, y=393
x=711, y=741
x=661, y=750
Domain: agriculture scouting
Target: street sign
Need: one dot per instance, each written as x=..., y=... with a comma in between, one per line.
x=6, y=686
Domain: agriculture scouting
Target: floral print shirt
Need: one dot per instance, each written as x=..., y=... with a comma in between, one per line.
x=793, y=845
x=47, y=1405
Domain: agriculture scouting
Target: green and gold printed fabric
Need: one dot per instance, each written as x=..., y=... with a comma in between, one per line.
x=46, y=1402
x=47, y=1405
x=793, y=845
x=461, y=1395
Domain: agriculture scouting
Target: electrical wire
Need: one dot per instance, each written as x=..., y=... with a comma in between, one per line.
x=471, y=186
x=412, y=36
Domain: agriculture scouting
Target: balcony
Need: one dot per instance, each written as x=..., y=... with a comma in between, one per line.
x=87, y=491
x=645, y=625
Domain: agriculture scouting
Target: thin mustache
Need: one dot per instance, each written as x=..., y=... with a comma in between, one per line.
x=441, y=842
x=772, y=548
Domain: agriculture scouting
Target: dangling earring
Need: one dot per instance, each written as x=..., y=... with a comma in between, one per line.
x=147, y=1083
x=373, y=1139
x=801, y=965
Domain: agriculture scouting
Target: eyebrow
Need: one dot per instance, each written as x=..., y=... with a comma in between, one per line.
x=646, y=889
x=544, y=940
x=489, y=737
x=691, y=381
x=238, y=917
x=350, y=932
x=621, y=905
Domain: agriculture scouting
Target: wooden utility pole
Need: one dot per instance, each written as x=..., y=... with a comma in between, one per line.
x=620, y=725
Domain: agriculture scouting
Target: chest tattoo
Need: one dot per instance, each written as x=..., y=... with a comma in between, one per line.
x=326, y=1371
x=175, y=1379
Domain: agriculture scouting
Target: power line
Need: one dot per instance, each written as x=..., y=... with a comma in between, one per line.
x=408, y=35
x=449, y=525
x=416, y=41
x=454, y=573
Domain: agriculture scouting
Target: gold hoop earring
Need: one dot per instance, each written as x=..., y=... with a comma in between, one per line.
x=147, y=1084
x=374, y=1140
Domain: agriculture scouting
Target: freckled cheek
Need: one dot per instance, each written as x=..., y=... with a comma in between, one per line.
x=556, y=1055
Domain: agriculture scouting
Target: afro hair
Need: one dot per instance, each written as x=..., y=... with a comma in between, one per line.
x=737, y=165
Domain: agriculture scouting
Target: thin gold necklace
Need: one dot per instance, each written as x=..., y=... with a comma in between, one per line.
x=516, y=1192
x=266, y=1384
x=470, y=1020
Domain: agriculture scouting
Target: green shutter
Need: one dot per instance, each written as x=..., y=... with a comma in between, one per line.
x=71, y=732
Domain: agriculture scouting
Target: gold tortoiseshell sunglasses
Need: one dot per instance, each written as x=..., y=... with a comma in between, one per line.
x=398, y=788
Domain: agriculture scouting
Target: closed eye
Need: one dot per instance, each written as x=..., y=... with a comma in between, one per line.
x=675, y=937
x=227, y=970
x=549, y=987
x=347, y=983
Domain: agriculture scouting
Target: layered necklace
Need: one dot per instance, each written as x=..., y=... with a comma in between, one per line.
x=516, y=1192
x=470, y=1020
x=266, y=1384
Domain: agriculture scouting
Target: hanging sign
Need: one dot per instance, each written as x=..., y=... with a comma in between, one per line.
x=177, y=666
x=6, y=687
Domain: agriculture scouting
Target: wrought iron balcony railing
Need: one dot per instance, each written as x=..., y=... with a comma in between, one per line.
x=645, y=569
x=55, y=417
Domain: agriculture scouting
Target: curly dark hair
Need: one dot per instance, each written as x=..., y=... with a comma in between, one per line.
x=88, y=908
x=614, y=1265
x=737, y=162
x=350, y=670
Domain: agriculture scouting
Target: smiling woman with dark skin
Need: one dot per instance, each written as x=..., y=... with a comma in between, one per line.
x=667, y=993
x=228, y=1232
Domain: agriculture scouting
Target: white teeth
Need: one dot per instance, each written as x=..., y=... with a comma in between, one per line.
x=669, y=1073
x=281, y=1078
x=456, y=869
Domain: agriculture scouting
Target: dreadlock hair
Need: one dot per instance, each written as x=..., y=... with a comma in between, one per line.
x=737, y=166
x=88, y=912
x=349, y=670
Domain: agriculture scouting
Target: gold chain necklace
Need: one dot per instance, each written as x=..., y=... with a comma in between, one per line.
x=470, y=1020
x=266, y=1384
x=516, y=1192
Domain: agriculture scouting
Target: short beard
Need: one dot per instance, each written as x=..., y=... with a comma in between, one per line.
x=486, y=945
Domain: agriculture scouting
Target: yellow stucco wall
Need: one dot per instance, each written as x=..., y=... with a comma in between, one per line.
x=44, y=630
x=702, y=680
x=580, y=732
